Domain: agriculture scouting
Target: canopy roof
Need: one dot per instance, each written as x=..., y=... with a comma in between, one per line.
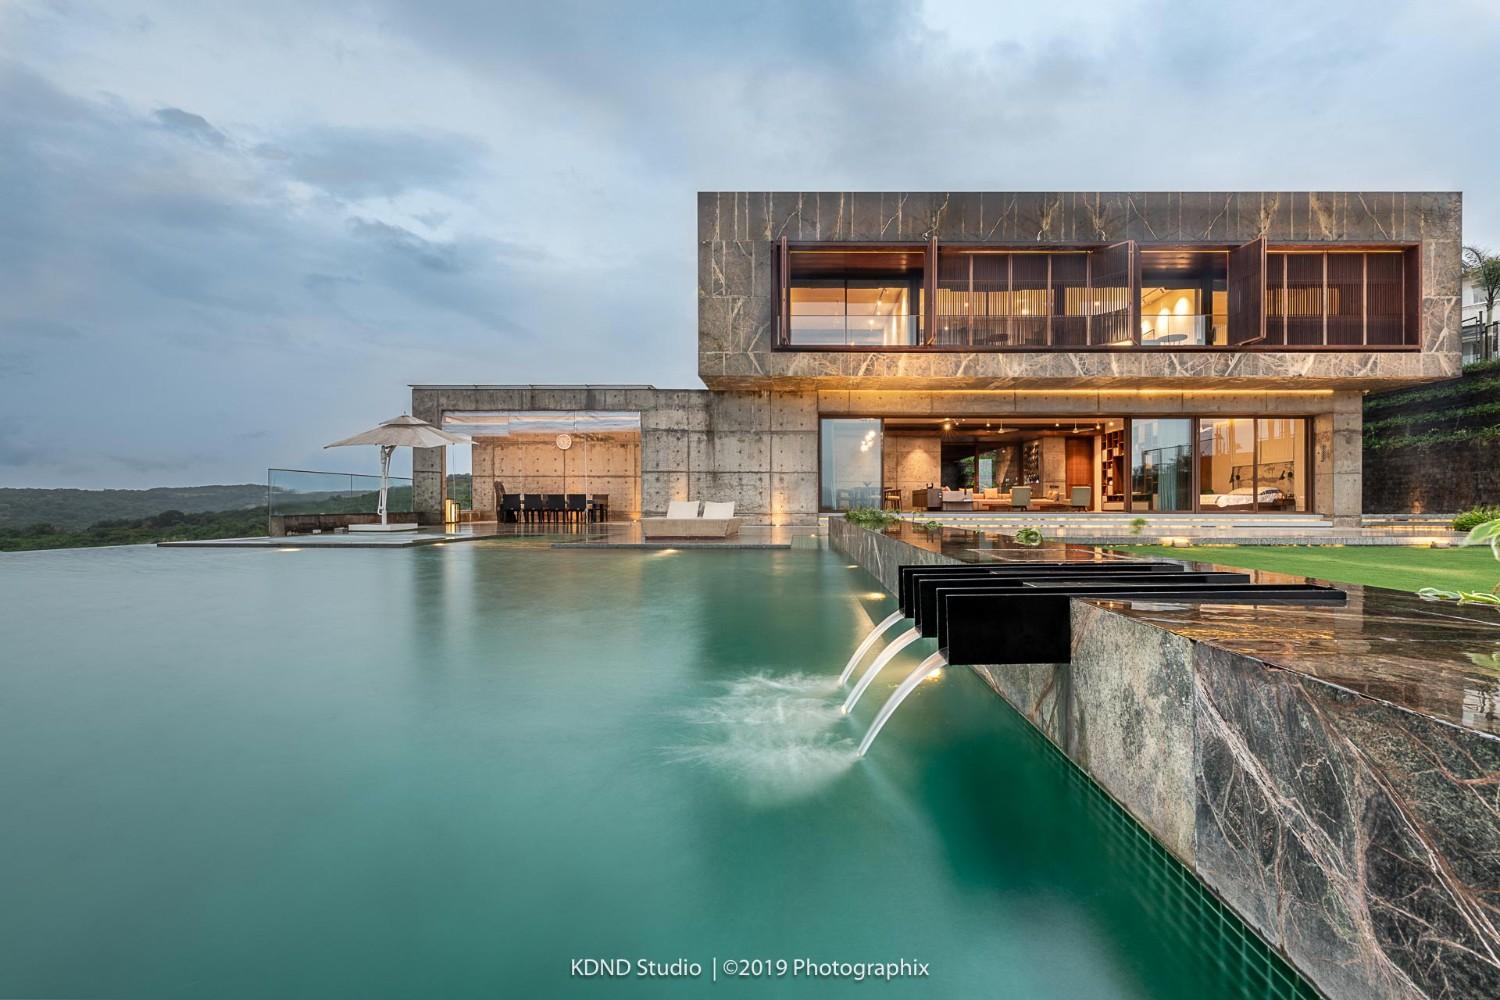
x=403, y=432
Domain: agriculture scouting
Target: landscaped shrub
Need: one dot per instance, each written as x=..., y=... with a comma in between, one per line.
x=872, y=518
x=1483, y=533
x=1474, y=517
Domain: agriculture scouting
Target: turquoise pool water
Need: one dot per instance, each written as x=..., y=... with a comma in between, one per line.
x=451, y=771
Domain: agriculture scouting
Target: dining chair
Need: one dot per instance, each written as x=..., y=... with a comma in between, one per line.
x=553, y=507
x=599, y=507
x=510, y=508
x=576, y=508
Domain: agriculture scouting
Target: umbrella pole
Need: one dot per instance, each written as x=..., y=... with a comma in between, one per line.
x=385, y=475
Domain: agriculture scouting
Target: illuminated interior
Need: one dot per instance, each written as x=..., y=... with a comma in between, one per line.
x=1063, y=464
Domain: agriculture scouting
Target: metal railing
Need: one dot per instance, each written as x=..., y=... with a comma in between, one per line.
x=1182, y=330
x=852, y=330
x=303, y=491
x=1479, y=342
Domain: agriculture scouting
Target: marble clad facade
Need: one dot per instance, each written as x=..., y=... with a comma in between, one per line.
x=752, y=436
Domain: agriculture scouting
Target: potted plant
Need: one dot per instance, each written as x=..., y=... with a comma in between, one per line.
x=1030, y=537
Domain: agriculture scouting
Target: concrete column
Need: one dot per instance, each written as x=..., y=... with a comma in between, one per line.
x=1347, y=430
x=429, y=481
x=1338, y=457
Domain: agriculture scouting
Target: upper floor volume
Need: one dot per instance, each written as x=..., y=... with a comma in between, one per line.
x=1341, y=287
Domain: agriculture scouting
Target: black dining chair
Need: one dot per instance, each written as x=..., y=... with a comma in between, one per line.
x=510, y=507
x=553, y=507
x=599, y=507
x=577, y=508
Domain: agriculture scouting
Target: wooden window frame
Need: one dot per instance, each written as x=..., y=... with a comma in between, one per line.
x=1412, y=278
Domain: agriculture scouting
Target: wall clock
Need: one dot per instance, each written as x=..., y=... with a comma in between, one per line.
x=565, y=441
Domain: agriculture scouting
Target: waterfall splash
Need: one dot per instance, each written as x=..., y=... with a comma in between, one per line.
x=887, y=654
x=776, y=738
x=925, y=669
x=864, y=647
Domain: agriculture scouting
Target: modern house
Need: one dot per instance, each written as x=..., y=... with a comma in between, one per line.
x=1145, y=353
x=1480, y=333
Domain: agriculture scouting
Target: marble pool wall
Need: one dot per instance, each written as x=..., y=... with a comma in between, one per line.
x=1359, y=838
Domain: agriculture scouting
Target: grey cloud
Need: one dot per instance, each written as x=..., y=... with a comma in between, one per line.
x=185, y=123
x=433, y=255
x=173, y=279
x=366, y=163
x=458, y=190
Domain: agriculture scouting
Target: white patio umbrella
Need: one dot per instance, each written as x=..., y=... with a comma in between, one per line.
x=399, y=432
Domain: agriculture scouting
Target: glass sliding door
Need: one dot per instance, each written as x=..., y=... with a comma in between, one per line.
x=1226, y=464
x=1281, y=471
x=849, y=470
x=1161, y=465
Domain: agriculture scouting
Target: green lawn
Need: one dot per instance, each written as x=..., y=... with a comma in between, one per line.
x=1396, y=567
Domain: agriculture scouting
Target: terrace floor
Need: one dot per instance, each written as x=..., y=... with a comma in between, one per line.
x=613, y=535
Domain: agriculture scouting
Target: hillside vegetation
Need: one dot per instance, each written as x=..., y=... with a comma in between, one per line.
x=167, y=526
x=75, y=509
x=1464, y=409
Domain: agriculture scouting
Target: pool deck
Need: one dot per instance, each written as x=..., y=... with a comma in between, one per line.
x=613, y=535
x=1330, y=772
x=345, y=539
x=629, y=536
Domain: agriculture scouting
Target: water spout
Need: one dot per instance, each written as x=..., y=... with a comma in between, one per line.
x=924, y=670
x=864, y=647
x=887, y=654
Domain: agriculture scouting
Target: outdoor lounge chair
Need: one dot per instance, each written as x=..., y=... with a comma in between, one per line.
x=684, y=521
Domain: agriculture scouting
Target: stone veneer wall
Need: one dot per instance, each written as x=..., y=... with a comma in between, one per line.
x=1360, y=839
x=1434, y=449
x=758, y=448
x=737, y=245
x=1445, y=478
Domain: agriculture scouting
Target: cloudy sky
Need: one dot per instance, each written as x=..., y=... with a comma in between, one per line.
x=230, y=233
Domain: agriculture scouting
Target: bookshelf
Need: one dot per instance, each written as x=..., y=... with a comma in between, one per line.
x=1114, y=473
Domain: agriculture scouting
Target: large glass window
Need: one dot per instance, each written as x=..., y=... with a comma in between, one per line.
x=1281, y=471
x=1226, y=464
x=1246, y=464
x=1184, y=298
x=862, y=312
x=1161, y=465
x=849, y=466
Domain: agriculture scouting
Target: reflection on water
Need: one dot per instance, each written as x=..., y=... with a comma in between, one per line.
x=774, y=739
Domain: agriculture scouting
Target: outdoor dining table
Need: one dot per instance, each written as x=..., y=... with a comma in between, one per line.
x=555, y=506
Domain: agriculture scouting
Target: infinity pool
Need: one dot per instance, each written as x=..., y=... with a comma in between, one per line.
x=452, y=771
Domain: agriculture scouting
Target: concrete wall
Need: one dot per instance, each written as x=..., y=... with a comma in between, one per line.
x=758, y=449
x=595, y=464
x=738, y=234
x=911, y=463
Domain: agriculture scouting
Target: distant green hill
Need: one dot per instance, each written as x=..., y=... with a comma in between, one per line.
x=167, y=526
x=74, y=509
